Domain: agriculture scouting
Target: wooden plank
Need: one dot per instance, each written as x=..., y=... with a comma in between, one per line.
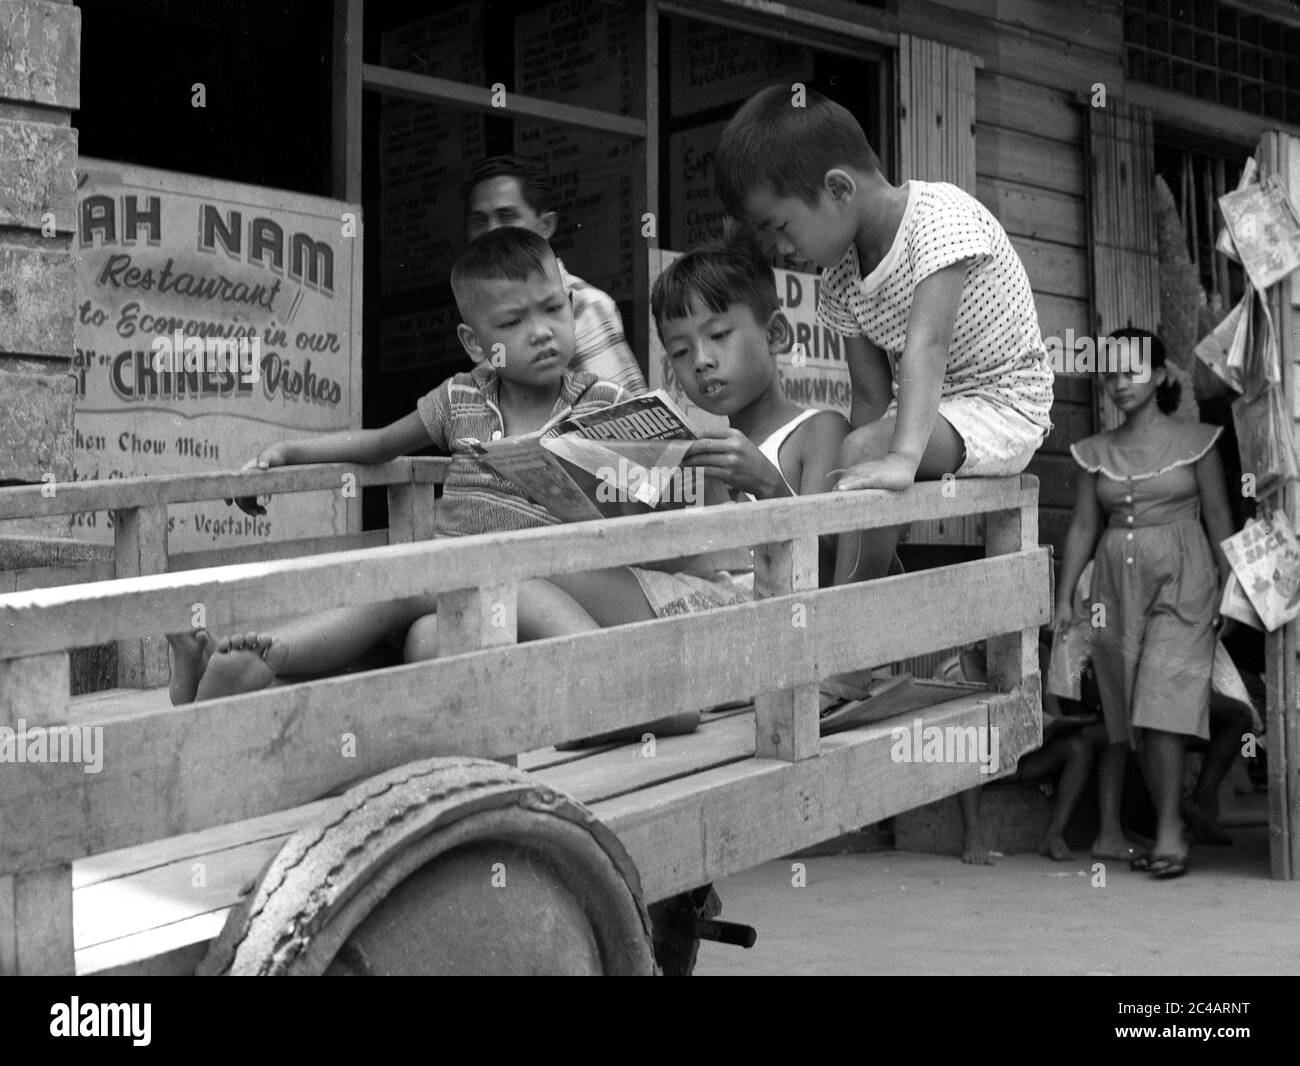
x=424, y=89
x=121, y=939
x=1015, y=104
x=1054, y=268
x=173, y=950
x=643, y=39
x=41, y=577
x=786, y=723
x=1059, y=314
x=1098, y=24
x=36, y=901
x=1194, y=115
x=1012, y=658
x=862, y=24
x=52, y=619
x=1014, y=50
x=346, y=91
x=483, y=617
x=411, y=510
x=40, y=53
x=1027, y=211
x=1028, y=160
x=140, y=547
x=123, y=493
x=749, y=812
x=269, y=551
x=243, y=756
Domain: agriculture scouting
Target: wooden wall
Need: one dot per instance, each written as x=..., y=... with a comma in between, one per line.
x=1040, y=59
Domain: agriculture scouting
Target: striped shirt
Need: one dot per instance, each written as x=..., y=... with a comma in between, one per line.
x=475, y=498
x=600, y=348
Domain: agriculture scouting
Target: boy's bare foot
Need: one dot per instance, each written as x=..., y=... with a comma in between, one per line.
x=974, y=852
x=1119, y=849
x=190, y=654
x=1056, y=849
x=242, y=664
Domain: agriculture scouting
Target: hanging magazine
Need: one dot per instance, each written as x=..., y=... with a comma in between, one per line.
x=1265, y=557
x=1264, y=439
x=1265, y=231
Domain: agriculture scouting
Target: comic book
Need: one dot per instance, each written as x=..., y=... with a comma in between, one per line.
x=1265, y=557
x=1264, y=230
x=623, y=459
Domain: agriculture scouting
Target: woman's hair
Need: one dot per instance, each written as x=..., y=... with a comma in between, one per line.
x=729, y=271
x=1169, y=393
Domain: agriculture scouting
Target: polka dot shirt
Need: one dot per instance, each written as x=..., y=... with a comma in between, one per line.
x=997, y=351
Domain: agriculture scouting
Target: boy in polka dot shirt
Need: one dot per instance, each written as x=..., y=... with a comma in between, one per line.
x=950, y=374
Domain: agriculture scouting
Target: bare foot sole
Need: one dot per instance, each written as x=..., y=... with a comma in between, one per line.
x=190, y=654
x=1056, y=849
x=242, y=664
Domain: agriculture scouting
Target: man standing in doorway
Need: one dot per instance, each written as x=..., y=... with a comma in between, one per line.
x=508, y=190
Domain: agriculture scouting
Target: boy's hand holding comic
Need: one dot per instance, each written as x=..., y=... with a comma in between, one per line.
x=734, y=459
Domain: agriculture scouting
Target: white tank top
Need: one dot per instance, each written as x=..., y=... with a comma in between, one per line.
x=771, y=447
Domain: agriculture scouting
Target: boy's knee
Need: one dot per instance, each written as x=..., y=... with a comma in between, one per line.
x=421, y=640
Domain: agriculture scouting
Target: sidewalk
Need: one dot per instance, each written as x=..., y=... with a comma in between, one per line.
x=905, y=913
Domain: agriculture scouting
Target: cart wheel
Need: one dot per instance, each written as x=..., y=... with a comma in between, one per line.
x=677, y=945
x=445, y=866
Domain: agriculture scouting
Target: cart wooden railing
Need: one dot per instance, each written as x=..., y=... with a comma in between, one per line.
x=228, y=778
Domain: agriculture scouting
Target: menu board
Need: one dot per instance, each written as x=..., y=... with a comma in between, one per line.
x=426, y=152
x=713, y=65
x=813, y=374
x=695, y=211
x=212, y=319
x=577, y=52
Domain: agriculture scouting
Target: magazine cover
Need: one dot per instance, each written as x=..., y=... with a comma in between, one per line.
x=1265, y=231
x=1265, y=557
x=624, y=459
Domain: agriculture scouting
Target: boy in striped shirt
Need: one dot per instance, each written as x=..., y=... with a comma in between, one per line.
x=518, y=328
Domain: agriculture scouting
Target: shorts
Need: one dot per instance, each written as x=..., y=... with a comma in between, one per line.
x=999, y=440
x=679, y=593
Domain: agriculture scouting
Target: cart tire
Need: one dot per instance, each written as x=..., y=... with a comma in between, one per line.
x=445, y=866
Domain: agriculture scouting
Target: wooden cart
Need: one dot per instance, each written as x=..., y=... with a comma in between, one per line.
x=382, y=809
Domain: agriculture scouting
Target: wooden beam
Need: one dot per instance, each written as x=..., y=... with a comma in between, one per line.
x=749, y=812
x=478, y=98
x=36, y=900
x=786, y=724
x=124, y=493
x=243, y=756
x=1193, y=115
x=411, y=509
x=139, y=548
x=840, y=34
x=54, y=619
x=346, y=100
